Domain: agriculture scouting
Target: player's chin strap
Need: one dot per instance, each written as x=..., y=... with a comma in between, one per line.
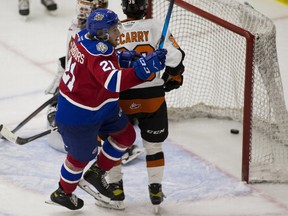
x=12, y=137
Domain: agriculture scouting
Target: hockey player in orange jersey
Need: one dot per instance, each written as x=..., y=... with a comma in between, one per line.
x=145, y=104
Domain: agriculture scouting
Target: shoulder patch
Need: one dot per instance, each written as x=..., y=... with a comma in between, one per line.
x=102, y=47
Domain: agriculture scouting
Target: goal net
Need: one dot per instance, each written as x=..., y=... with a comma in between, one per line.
x=232, y=72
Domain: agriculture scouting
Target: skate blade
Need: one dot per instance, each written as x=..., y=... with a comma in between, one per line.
x=50, y=202
x=24, y=18
x=130, y=158
x=84, y=185
x=117, y=205
x=53, y=13
x=156, y=209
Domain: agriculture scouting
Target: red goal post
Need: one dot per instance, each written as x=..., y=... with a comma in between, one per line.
x=232, y=73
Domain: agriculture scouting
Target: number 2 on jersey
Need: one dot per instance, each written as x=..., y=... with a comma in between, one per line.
x=69, y=77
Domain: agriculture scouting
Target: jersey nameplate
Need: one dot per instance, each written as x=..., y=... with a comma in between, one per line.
x=134, y=36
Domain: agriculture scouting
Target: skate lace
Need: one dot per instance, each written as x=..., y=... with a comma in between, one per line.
x=104, y=182
x=74, y=199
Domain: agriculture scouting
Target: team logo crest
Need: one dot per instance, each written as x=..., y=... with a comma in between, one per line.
x=135, y=106
x=99, y=17
x=102, y=47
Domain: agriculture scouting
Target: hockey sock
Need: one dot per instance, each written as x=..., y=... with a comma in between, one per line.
x=71, y=173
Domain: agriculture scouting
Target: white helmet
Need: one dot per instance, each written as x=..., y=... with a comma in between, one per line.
x=84, y=7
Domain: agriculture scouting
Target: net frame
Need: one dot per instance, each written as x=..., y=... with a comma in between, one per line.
x=276, y=122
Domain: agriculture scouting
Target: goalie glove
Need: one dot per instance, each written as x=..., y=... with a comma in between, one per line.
x=126, y=59
x=53, y=87
x=146, y=67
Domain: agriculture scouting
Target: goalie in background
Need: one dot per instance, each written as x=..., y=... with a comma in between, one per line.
x=145, y=103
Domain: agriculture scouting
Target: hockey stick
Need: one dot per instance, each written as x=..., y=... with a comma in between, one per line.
x=33, y=114
x=12, y=137
x=166, y=24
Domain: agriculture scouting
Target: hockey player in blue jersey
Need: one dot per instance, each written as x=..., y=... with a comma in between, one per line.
x=88, y=105
x=83, y=8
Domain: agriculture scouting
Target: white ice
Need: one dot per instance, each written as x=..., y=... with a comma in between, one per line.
x=203, y=160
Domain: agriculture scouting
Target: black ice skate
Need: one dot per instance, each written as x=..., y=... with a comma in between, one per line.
x=69, y=201
x=117, y=199
x=23, y=6
x=95, y=184
x=156, y=195
x=118, y=191
x=49, y=4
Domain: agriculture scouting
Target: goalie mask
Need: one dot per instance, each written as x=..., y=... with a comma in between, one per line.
x=84, y=7
x=136, y=9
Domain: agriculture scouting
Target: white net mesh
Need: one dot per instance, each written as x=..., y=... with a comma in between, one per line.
x=214, y=79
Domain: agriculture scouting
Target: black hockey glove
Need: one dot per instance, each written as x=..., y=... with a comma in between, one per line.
x=173, y=77
x=174, y=82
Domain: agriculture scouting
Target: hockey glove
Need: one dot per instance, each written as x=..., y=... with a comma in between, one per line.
x=152, y=63
x=126, y=59
x=174, y=82
x=173, y=77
